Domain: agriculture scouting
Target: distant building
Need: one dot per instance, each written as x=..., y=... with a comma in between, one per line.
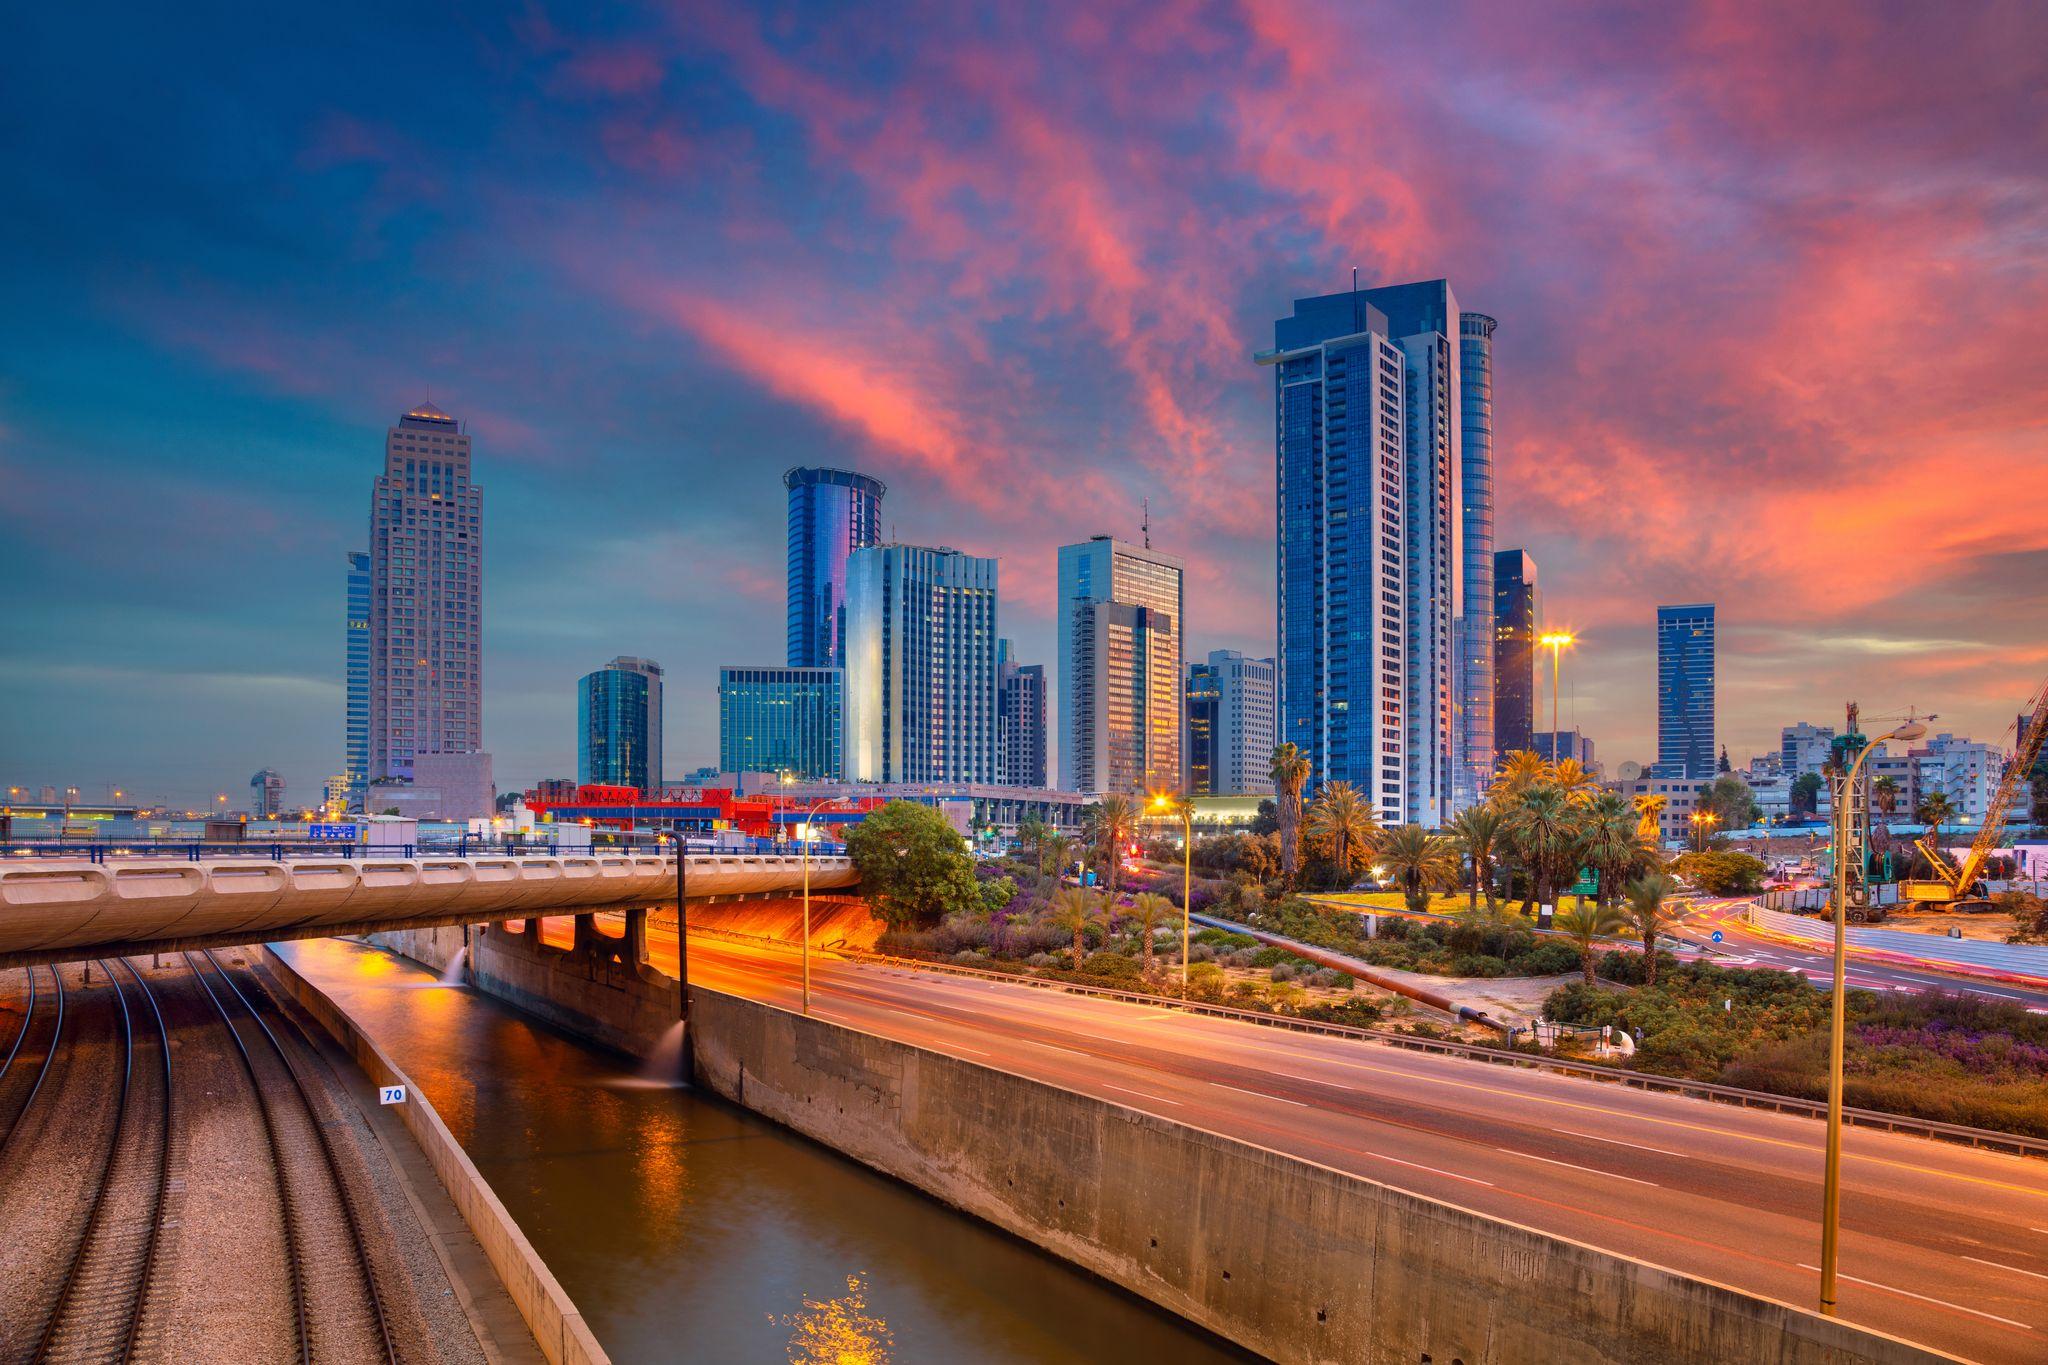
x=1020, y=720
x=266, y=794
x=781, y=720
x=1685, y=691
x=443, y=787
x=1121, y=611
x=1198, y=743
x=1804, y=748
x=1516, y=609
x=355, y=766
x=1245, y=721
x=1565, y=744
x=920, y=665
x=618, y=725
x=558, y=791
x=337, y=796
x=1681, y=798
x=832, y=513
x=426, y=597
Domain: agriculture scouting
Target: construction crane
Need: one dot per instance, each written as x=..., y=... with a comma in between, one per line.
x=1956, y=881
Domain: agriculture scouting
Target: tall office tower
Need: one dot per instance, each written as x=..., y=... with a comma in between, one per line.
x=1246, y=723
x=1475, y=744
x=1516, y=607
x=426, y=597
x=266, y=794
x=1685, y=691
x=1020, y=720
x=355, y=767
x=1121, y=610
x=832, y=513
x=781, y=720
x=1341, y=438
x=618, y=725
x=920, y=665
x=1198, y=745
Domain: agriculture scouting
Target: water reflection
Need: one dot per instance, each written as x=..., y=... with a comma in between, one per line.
x=839, y=1331
x=686, y=1228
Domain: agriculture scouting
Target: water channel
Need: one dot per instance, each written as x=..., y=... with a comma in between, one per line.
x=687, y=1229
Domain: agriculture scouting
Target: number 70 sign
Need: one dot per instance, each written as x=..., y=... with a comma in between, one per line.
x=391, y=1094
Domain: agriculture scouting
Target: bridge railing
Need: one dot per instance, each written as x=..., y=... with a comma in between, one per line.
x=278, y=851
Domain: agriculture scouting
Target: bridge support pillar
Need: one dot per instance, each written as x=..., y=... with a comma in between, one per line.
x=601, y=988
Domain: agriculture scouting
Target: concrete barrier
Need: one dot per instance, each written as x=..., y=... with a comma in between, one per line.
x=1293, y=1260
x=550, y=1315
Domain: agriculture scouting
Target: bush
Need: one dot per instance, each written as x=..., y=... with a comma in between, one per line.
x=1551, y=957
x=1112, y=966
x=1475, y=964
x=1357, y=1012
x=1722, y=874
x=1271, y=957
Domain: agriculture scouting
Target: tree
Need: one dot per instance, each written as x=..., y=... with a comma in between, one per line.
x=913, y=865
x=1729, y=800
x=1613, y=842
x=1031, y=832
x=1266, y=820
x=1074, y=908
x=1649, y=817
x=1053, y=852
x=1340, y=819
x=1646, y=916
x=1722, y=874
x=1149, y=909
x=997, y=894
x=1478, y=830
x=1724, y=766
x=1884, y=793
x=1805, y=795
x=1544, y=830
x=1116, y=817
x=1290, y=773
x=1519, y=771
x=1420, y=861
x=1585, y=924
x=1571, y=778
x=1935, y=811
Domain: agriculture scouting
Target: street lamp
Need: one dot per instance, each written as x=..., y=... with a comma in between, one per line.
x=1557, y=641
x=1702, y=821
x=1831, y=1187
x=805, y=845
x=1162, y=804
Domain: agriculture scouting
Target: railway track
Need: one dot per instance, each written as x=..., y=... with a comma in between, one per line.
x=22, y=1075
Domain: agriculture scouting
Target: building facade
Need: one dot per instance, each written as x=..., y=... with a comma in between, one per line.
x=426, y=597
x=355, y=766
x=920, y=692
x=1198, y=741
x=1476, y=746
x=266, y=794
x=1804, y=748
x=1517, y=606
x=1120, y=616
x=1020, y=719
x=1245, y=722
x=1685, y=691
x=618, y=725
x=781, y=720
x=1562, y=744
x=832, y=513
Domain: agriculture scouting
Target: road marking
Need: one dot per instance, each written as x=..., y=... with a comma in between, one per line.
x=1973, y=1312
x=1999, y=1265
x=1381, y=1156
x=1258, y=1094
x=1641, y=1146
x=1156, y=1099
x=1057, y=1048
x=1589, y=1170
x=962, y=1047
x=1317, y=1080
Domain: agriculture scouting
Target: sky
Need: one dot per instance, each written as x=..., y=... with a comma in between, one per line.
x=1769, y=281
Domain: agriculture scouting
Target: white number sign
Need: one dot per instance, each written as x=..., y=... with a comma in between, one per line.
x=391, y=1094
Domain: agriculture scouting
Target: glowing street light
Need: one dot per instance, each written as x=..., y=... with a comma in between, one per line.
x=804, y=833
x=1162, y=804
x=1702, y=822
x=1557, y=642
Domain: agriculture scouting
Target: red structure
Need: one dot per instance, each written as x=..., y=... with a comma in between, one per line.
x=705, y=809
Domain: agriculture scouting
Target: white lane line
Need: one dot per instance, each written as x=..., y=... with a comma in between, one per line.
x=1156, y=1099
x=1589, y=1170
x=1640, y=1146
x=1057, y=1048
x=1258, y=1094
x=1973, y=1312
x=1316, y=1080
x=1434, y=1170
x=962, y=1047
x=1999, y=1265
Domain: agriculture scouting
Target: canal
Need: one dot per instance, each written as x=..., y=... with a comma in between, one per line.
x=685, y=1228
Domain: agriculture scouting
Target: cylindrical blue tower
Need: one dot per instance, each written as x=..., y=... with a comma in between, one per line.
x=832, y=513
x=1475, y=626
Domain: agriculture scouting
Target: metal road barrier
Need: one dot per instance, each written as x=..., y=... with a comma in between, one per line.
x=2014, y=959
x=278, y=851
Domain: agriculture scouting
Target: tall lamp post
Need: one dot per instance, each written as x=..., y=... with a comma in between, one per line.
x=1831, y=1188
x=1556, y=641
x=1184, y=808
x=1702, y=821
x=805, y=845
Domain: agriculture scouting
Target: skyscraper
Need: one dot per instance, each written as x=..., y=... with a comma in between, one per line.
x=781, y=720
x=618, y=725
x=920, y=665
x=1198, y=745
x=832, y=513
x=1020, y=720
x=1685, y=691
x=266, y=794
x=1516, y=607
x=1120, y=613
x=1245, y=724
x=426, y=597
x=1476, y=745
x=355, y=767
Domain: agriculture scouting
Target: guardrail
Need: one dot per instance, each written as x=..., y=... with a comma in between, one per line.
x=1445, y=1047
x=278, y=851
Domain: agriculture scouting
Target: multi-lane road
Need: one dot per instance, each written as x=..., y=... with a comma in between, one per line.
x=1942, y=1244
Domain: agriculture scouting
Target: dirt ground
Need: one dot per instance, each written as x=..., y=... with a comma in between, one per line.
x=1991, y=927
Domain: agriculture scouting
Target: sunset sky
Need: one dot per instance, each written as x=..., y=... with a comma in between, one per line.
x=1769, y=279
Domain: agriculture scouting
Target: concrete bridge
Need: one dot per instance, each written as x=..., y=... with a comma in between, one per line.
x=67, y=910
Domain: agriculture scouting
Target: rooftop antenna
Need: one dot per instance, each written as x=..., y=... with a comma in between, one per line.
x=1357, y=324
x=1146, y=525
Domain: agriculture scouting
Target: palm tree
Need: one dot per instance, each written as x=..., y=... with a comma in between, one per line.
x=1149, y=909
x=1646, y=917
x=1341, y=818
x=1649, y=810
x=1290, y=773
x=1478, y=831
x=1544, y=830
x=1074, y=908
x=1885, y=792
x=1519, y=771
x=1585, y=924
x=1419, y=860
x=1053, y=851
x=1031, y=832
x=1613, y=842
x=1115, y=817
x=1573, y=780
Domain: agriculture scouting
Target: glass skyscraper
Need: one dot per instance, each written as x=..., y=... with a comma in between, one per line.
x=773, y=720
x=618, y=725
x=355, y=767
x=1203, y=692
x=426, y=597
x=1475, y=744
x=1685, y=691
x=832, y=513
x=920, y=701
x=1120, y=610
x=1516, y=607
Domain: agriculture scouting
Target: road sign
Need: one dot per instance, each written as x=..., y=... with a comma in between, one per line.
x=340, y=833
x=1716, y=936
x=391, y=1094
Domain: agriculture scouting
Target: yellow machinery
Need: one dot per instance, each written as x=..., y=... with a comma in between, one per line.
x=1957, y=881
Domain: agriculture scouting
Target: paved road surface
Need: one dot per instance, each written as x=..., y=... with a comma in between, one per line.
x=1947, y=1245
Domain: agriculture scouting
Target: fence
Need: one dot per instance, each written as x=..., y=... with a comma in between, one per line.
x=460, y=846
x=2014, y=958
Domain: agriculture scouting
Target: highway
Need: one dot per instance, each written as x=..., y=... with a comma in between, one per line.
x=1944, y=1245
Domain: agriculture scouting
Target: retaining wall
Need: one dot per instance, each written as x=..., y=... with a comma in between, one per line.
x=601, y=989
x=553, y=1318
x=2014, y=959
x=1290, y=1259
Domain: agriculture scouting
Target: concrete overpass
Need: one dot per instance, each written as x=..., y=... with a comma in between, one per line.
x=66, y=910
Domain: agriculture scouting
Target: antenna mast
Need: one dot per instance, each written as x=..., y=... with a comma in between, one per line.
x=1147, y=523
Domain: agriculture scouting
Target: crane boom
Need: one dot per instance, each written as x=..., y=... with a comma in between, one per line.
x=1958, y=878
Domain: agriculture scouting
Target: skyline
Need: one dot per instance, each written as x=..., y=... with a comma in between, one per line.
x=1023, y=319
